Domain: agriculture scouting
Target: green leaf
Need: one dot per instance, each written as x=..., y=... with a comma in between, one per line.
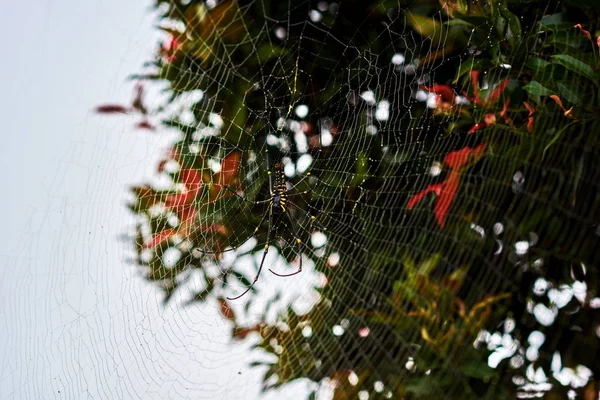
x=270, y=372
x=173, y=32
x=573, y=64
x=426, y=267
x=565, y=38
x=570, y=92
x=536, y=63
x=426, y=27
x=513, y=31
x=537, y=89
x=472, y=65
x=242, y=278
x=556, y=137
x=467, y=21
x=477, y=370
x=254, y=364
x=210, y=285
x=423, y=386
x=409, y=264
x=459, y=22
x=267, y=52
x=554, y=21
x=361, y=170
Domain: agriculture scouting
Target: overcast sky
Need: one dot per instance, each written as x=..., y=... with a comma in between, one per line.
x=76, y=320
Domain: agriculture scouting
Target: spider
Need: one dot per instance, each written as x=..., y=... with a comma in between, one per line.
x=278, y=206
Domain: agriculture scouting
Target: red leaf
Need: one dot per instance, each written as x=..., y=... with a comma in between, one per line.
x=419, y=196
x=161, y=165
x=191, y=178
x=458, y=158
x=146, y=196
x=142, y=191
x=558, y=101
x=169, y=51
x=145, y=124
x=442, y=205
x=475, y=83
x=241, y=333
x=216, y=228
x=176, y=200
x=174, y=154
x=495, y=94
x=490, y=119
x=530, y=124
x=568, y=113
x=446, y=92
x=225, y=309
x=307, y=128
x=335, y=130
x=160, y=237
x=477, y=152
x=586, y=33
x=187, y=214
x=447, y=189
x=530, y=118
x=476, y=127
x=138, y=100
x=229, y=168
x=504, y=112
x=193, y=183
x=112, y=109
x=187, y=218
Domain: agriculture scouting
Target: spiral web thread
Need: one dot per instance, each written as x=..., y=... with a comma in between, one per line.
x=368, y=148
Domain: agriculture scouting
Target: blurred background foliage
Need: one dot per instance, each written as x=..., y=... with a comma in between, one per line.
x=460, y=227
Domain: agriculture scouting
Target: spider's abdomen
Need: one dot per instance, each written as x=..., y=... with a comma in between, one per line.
x=279, y=190
x=278, y=201
x=279, y=179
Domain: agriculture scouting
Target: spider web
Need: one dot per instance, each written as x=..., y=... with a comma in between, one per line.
x=351, y=110
x=351, y=118
x=288, y=84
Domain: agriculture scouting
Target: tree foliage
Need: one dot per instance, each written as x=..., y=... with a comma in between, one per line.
x=514, y=125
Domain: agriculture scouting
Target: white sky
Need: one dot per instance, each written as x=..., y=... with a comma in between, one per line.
x=76, y=321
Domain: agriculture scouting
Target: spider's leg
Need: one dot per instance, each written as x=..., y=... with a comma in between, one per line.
x=269, y=171
x=298, y=243
x=299, y=193
x=302, y=180
x=263, y=257
x=310, y=189
x=312, y=217
x=249, y=237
